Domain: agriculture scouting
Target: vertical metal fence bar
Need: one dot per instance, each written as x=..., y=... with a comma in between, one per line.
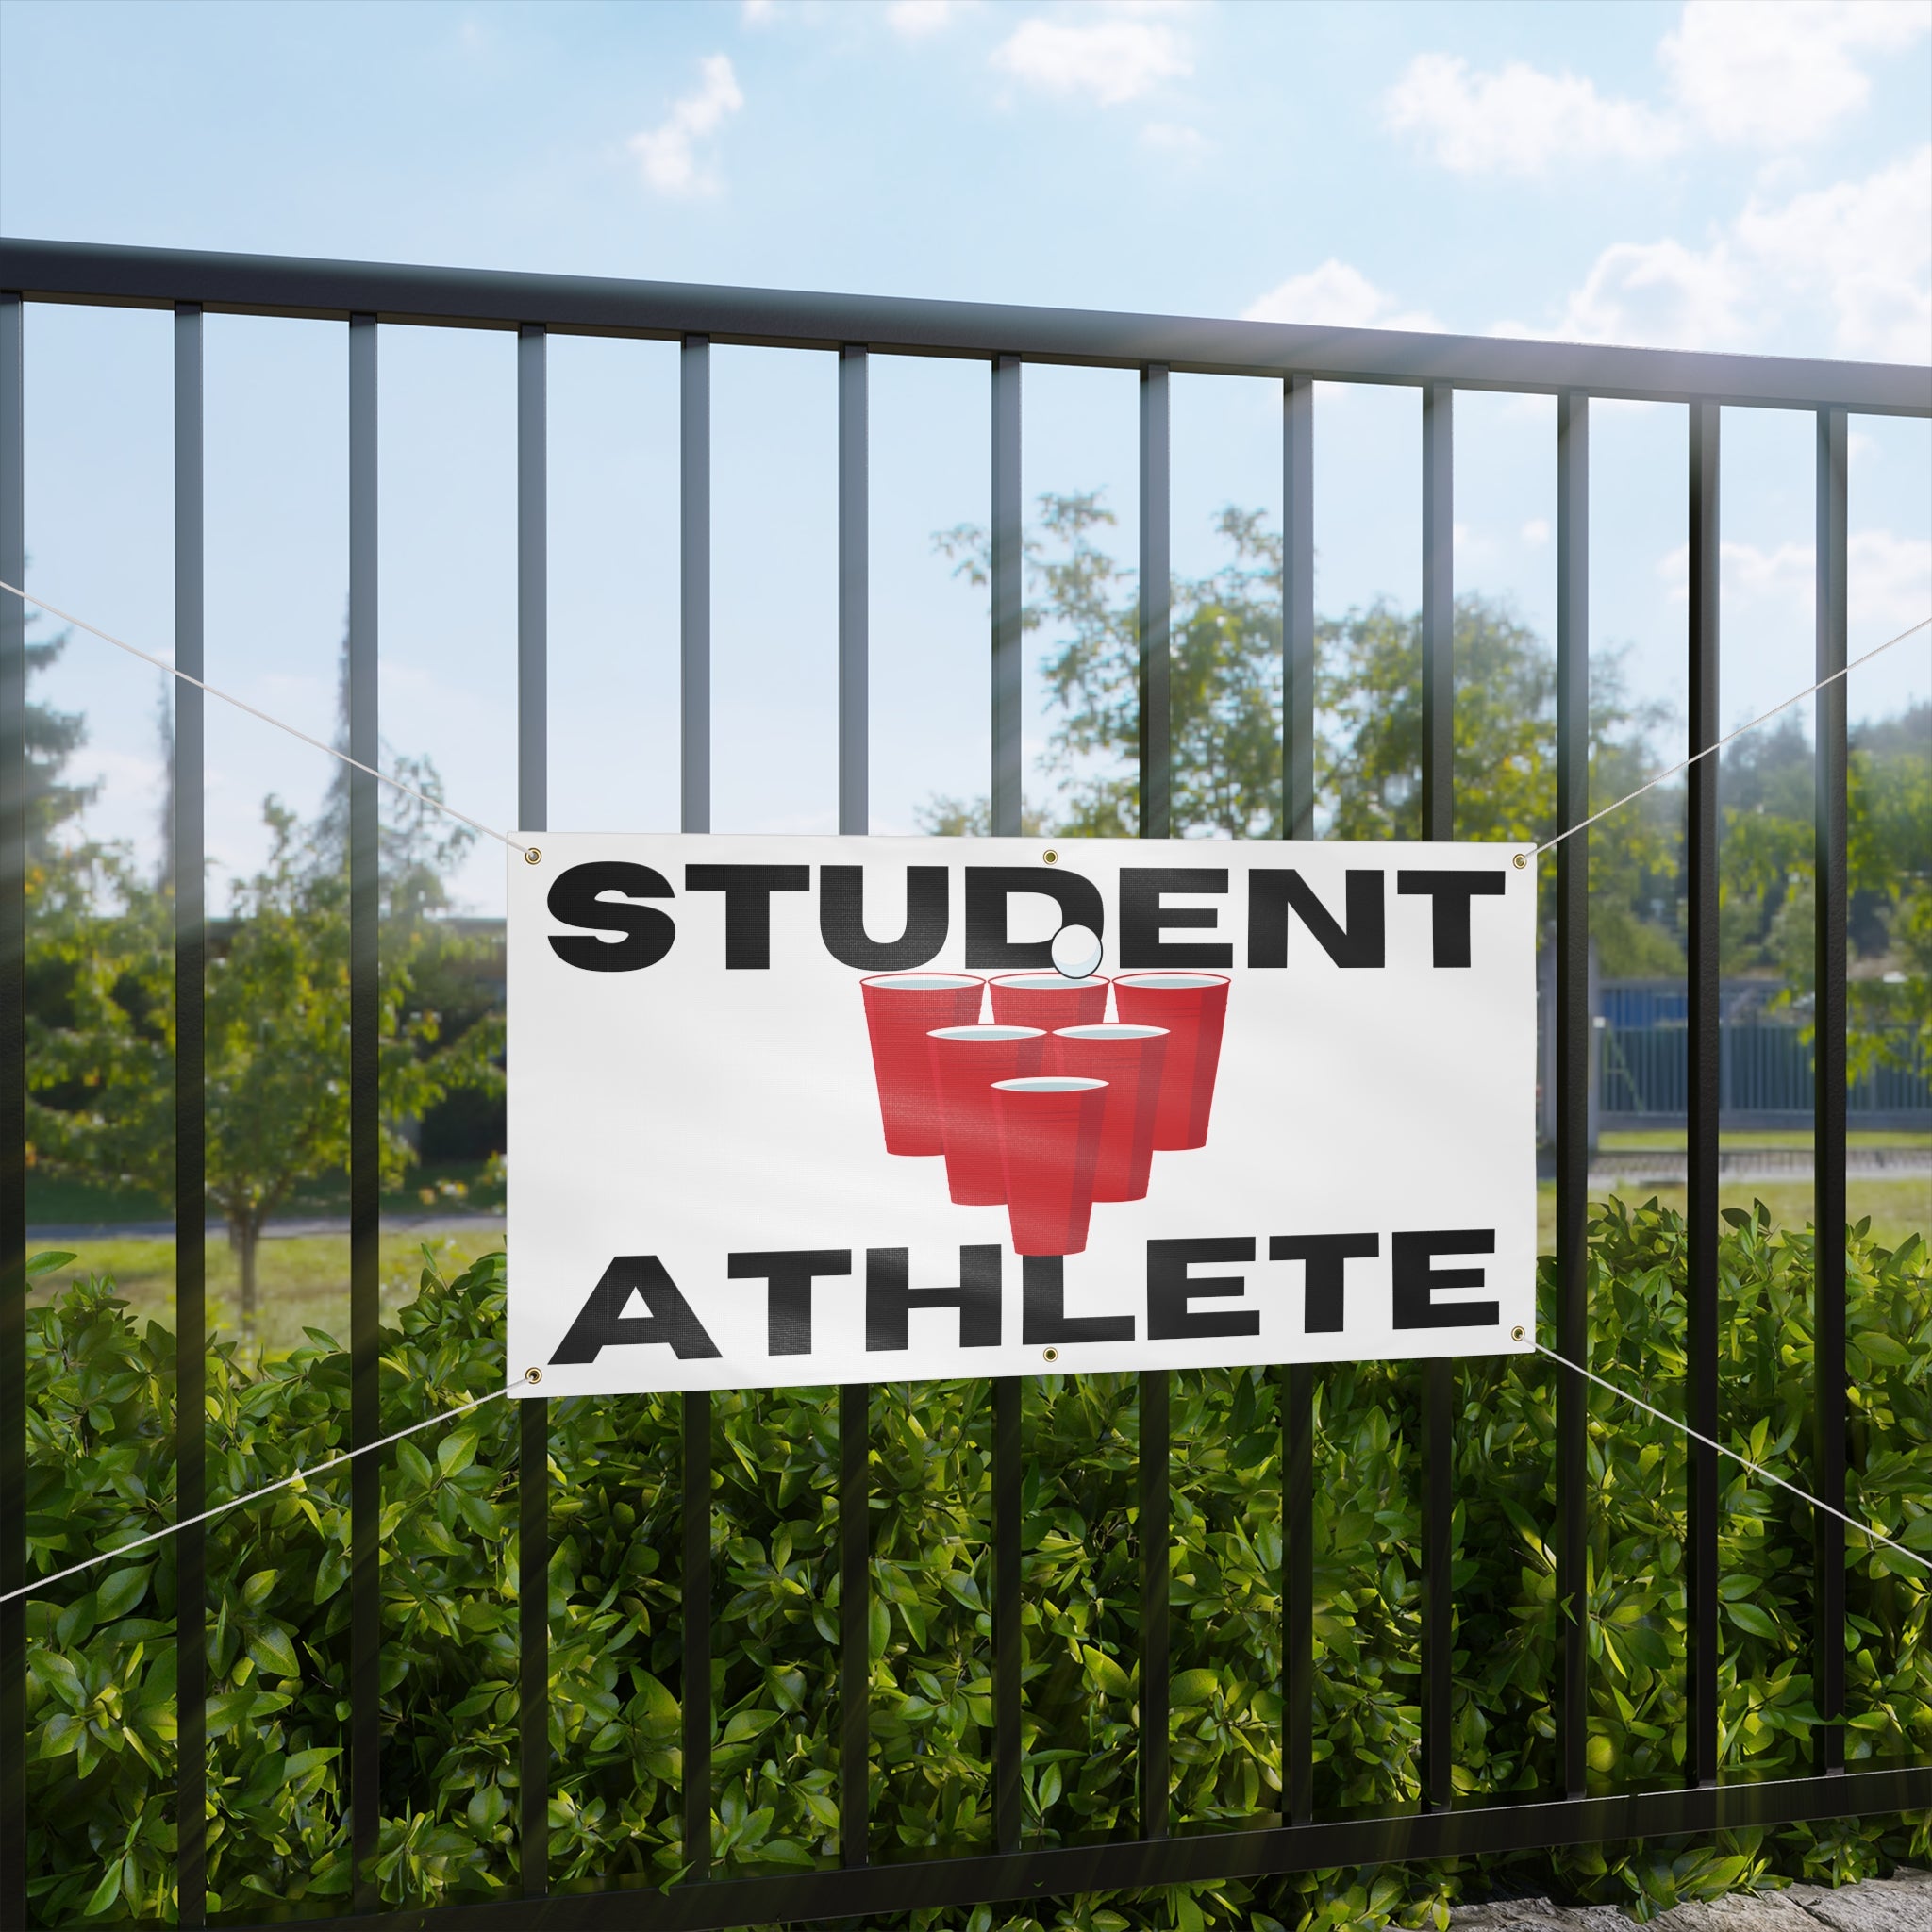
x=854, y=1398
x=1155, y=1445
x=855, y=1633
x=1439, y=822
x=694, y=513
x=1007, y=794
x=1704, y=1076
x=1298, y=1595
x=13, y=1565
x=1829, y=1103
x=694, y=584
x=854, y=661
x=533, y=1414
x=1155, y=608
x=1156, y=771
x=1439, y=612
x=1571, y=1022
x=697, y=1634
x=1007, y=1636
x=185, y=864
x=1298, y=606
x=1298, y=821
x=365, y=1130
x=1009, y=601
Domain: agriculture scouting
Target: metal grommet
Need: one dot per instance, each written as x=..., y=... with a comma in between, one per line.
x=1050, y=857
x=1516, y=1335
x=1052, y=1355
x=535, y=1376
x=1520, y=860
x=531, y=855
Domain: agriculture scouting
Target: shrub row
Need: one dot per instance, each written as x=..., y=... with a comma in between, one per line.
x=101, y=1691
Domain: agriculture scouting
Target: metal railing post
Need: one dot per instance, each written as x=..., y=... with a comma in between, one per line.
x=1156, y=610
x=533, y=1412
x=1297, y=1385
x=188, y=867
x=1439, y=822
x=1704, y=1077
x=366, y=1129
x=854, y=1398
x=13, y=775
x=1828, y=1102
x=1155, y=821
x=694, y=515
x=1572, y=1021
x=1298, y=607
x=1008, y=563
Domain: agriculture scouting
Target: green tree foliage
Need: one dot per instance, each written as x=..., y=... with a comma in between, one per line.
x=1771, y=896
x=101, y=1646
x=1225, y=706
x=101, y=1035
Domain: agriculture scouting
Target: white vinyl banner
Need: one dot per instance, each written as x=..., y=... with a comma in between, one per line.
x=796, y=1110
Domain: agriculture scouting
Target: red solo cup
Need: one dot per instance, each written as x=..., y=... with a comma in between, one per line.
x=1048, y=1000
x=1049, y=1141
x=1129, y=1060
x=966, y=1060
x=900, y=1008
x=1193, y=1009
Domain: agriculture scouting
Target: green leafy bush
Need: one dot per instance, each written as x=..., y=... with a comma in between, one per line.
x=102, y=1645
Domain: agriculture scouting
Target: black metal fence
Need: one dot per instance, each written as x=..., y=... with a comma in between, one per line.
x=365, y=296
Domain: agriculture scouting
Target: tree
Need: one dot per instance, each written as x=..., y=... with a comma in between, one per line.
x=102, y=1040
x=1889, y=824
x=1225, y=706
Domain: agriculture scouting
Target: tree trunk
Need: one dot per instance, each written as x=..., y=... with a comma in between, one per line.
x=247, y=1235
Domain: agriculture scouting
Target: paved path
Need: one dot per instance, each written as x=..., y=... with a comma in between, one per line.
x=1902, y=1902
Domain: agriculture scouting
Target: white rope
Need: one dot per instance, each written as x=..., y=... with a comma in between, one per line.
x=1864, y=1529
x=490, y=831
x=254, y=1495
x=1799, y=697
x=229, y=697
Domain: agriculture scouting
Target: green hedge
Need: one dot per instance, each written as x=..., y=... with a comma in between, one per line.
x=102, y=1664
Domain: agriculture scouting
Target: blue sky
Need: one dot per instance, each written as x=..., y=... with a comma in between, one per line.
x=1714, y=176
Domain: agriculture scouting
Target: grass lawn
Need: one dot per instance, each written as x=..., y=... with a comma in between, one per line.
x=1898, y=1206
x=305, y=1279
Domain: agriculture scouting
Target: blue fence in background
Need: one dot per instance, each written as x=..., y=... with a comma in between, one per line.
x=1642, y=1069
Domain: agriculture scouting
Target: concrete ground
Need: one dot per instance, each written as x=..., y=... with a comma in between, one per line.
x=1902, y=1902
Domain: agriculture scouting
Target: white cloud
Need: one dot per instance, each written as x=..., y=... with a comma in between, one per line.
x=1888, y=580
x=1335, y=295
x=1863, y=248
x=1536, y=533
x=1518, y=121
x=1768, y=73
x=668, y=153
x=1867, y=247
x=1176, y=138
x=913, y=20
x=1659, y=294
x=1746, y=573
x=1778, y=72
x=1112, y=59
x=757, y=11
x=1887, y=577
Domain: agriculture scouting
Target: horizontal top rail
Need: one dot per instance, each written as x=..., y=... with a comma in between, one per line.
x=779, y=318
